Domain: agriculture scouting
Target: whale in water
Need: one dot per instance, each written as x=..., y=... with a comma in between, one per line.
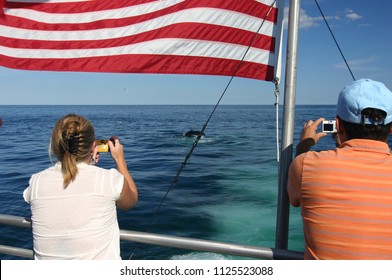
x=192, y=133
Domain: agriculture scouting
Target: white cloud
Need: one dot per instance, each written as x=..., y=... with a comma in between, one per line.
x=365, y=64
x=351, y=15
x=306, y=21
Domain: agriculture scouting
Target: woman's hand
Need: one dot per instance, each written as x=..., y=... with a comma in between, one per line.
x=116, y=149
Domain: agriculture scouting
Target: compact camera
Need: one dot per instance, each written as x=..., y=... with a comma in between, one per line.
x=328, y=126
x=103, y=146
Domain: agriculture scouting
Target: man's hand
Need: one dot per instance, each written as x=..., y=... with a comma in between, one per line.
x=309, y=136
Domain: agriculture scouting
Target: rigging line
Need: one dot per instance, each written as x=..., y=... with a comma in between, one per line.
x=333, y=36
x=183, y=164
x=276, y=82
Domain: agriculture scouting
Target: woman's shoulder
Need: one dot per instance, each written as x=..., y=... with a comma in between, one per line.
x=54, y=168
x=97, y=169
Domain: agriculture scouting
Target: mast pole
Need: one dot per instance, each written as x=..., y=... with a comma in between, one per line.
x=282, y=223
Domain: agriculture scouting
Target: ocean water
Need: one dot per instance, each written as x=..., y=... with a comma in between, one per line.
x=227, y=191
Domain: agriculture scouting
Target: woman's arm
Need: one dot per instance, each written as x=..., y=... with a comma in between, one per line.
x=129, y=195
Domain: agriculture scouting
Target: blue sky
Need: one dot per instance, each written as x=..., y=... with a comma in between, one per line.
x=360, y=27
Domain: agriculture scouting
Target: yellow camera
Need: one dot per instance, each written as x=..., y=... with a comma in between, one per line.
x=103, y=146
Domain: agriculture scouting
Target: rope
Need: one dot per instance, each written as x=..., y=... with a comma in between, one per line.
x=276, y=82
x=330, y=31
x=183, y=164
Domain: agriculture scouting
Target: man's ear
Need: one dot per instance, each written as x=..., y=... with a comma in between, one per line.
x=342, y=135
x=339, y=126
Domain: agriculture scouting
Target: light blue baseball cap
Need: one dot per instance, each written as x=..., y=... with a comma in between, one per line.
x=362, y=94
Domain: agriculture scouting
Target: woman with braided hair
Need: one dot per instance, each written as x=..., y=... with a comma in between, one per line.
x=73, y=203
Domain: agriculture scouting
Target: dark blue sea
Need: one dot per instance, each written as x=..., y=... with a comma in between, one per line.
x=227, y=191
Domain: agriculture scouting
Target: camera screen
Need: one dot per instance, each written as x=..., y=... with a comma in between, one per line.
x=328, y=127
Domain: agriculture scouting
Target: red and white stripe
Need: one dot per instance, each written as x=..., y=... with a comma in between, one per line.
x=142, y=36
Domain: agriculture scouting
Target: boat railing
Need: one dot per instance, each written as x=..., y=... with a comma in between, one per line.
x=166, y=241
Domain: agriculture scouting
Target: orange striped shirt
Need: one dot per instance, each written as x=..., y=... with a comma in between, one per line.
x=346, y=200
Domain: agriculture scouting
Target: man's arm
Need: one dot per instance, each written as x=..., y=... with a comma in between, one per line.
x=309, y=136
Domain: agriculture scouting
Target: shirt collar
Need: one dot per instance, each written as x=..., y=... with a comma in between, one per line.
x=366, y=144
x=79, y=164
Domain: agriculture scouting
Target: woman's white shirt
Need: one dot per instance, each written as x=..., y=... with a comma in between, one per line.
x=79, y=221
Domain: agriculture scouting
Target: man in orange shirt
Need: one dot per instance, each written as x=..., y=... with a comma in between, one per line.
x=346, y=193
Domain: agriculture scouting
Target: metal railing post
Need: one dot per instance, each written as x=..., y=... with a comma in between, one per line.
x=167, y=241
x=282, y=223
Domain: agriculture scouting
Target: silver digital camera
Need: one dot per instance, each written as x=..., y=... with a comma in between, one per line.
x=328, y=126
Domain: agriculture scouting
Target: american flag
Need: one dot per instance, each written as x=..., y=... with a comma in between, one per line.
x=210, y=37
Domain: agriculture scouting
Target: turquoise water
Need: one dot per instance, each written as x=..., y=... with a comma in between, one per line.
x=227, y=191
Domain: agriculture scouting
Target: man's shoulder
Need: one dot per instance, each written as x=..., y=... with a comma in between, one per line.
x=316, y=154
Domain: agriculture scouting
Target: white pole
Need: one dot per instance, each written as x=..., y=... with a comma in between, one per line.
x=282, y=223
